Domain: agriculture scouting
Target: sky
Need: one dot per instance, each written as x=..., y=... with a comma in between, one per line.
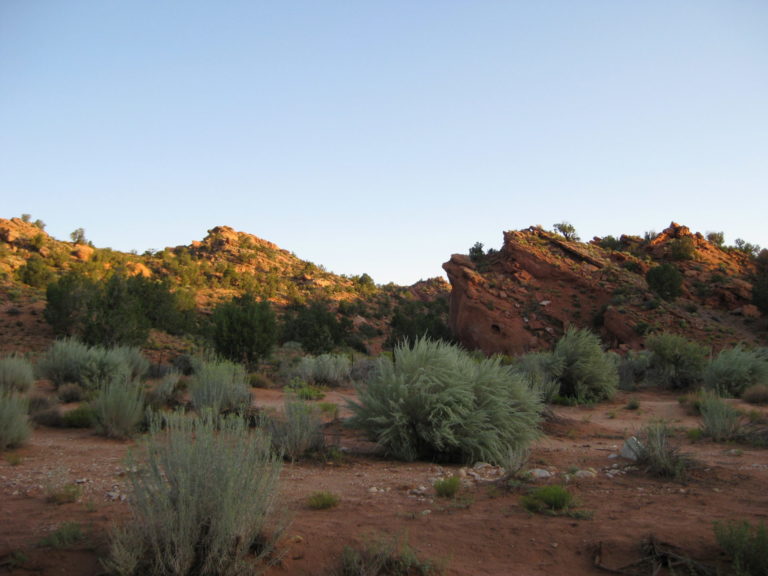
x=382, y=137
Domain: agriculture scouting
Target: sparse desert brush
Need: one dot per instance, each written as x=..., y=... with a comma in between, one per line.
x=221, y=386
x=436, y=402
x=14, y=422
x=16, y=374
x=65, y=536
x=70, y=392
x=541, y=371
x=675, y=362
x=633, y=368
x=552, y=499
x=659, y=455
x=757, y=394
x=665, y=280
x=201, y=500
x=447, y=487
x=298, y=431
x=322, y=500
x=719, y=420
x=118, y=408
x=588, y=374
x=632, y=404
x=734, y=370
x=390, y=558
x=165, y=392
x=746, y=545
x=329, y=369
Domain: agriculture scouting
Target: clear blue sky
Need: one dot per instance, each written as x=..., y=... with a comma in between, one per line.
x=382, y=137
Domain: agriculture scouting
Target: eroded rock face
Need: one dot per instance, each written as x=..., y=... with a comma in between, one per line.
x=523, y=297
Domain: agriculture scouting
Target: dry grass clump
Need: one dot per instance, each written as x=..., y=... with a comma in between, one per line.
x=14, y=422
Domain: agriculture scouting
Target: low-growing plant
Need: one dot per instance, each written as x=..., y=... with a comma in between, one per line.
x=588, y=374
x=14, y=422
x=756, y=394
x=16, y=374
x=65, y=536
x=298, y=431
x=384, y=558
x=201, y=498
x=633, y=368
x=322, y=500
x=329, y=410
x=164, y=393
x=304, y=391
x=552, y=499
x=63, y=493
x=719, y=420
x=447, y=487
x=632, y=404
x=659, y=455
x=746, y=545
x=14, y=459
x=118, y=408
x=221, y=386
x=80, y=417
x=734, y=370
x=71, y=392
x=675, y=362
x=436, y=402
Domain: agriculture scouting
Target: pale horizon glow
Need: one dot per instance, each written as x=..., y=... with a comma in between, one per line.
x=383, y=137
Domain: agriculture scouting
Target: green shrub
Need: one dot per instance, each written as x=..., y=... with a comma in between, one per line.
x=665, y=280
x=330, y=369
x=16, y=374
x=200, y=501
x=541, y=371
x=746, y=545
x=633, y=369
x=384, y=559
x=658, y=454
x=734, y=370
x=71, y=361
x=81, y=417
x=719, y=420
x=298, y=431
x=220, y=386
x=682, y=248
x=14, y=422
x=164, y=393
x=552, y=498
x=757, y=394
x=436, y=401
x=322, y=500
x=588, y=374
x=65, y=536
x=675, y=362
x=305, y=391
x=118, y=408
x=447, y=487
x=70, y=393
x=244, y=330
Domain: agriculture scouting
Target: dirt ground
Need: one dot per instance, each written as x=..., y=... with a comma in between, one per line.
x=483, y=531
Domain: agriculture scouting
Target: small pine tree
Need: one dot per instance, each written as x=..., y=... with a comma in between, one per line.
x=244, y=330
x=567, y=230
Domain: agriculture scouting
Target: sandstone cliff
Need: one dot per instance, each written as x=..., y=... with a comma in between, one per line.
x=522, y=297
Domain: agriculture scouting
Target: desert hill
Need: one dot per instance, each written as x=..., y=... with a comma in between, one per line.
x=522, y=297
x=224, y=264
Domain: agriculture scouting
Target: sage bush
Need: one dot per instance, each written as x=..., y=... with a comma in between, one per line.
x=434, y=401
x=202, y=495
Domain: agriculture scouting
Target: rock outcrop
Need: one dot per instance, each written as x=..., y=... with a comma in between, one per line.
x=524, y=296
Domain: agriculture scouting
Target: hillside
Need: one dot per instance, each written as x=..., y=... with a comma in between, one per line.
x=522, y=297
x=224, y=264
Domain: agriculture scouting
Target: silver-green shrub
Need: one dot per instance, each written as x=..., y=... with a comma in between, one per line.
x=633, y=369
x=588, y=374
x=118, y=408
x=435, y=401
x=71, y=361
x=330, y=369
x=719, y=420
x=202, y=495
x=14, y=422
x=16, y=374
x=298, y=431
x=659, y=455
x=541, y=371
x=221, y=386
x=675, y=362
x=734, y=370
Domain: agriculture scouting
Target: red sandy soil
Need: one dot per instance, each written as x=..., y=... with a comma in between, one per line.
x=484, y=531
